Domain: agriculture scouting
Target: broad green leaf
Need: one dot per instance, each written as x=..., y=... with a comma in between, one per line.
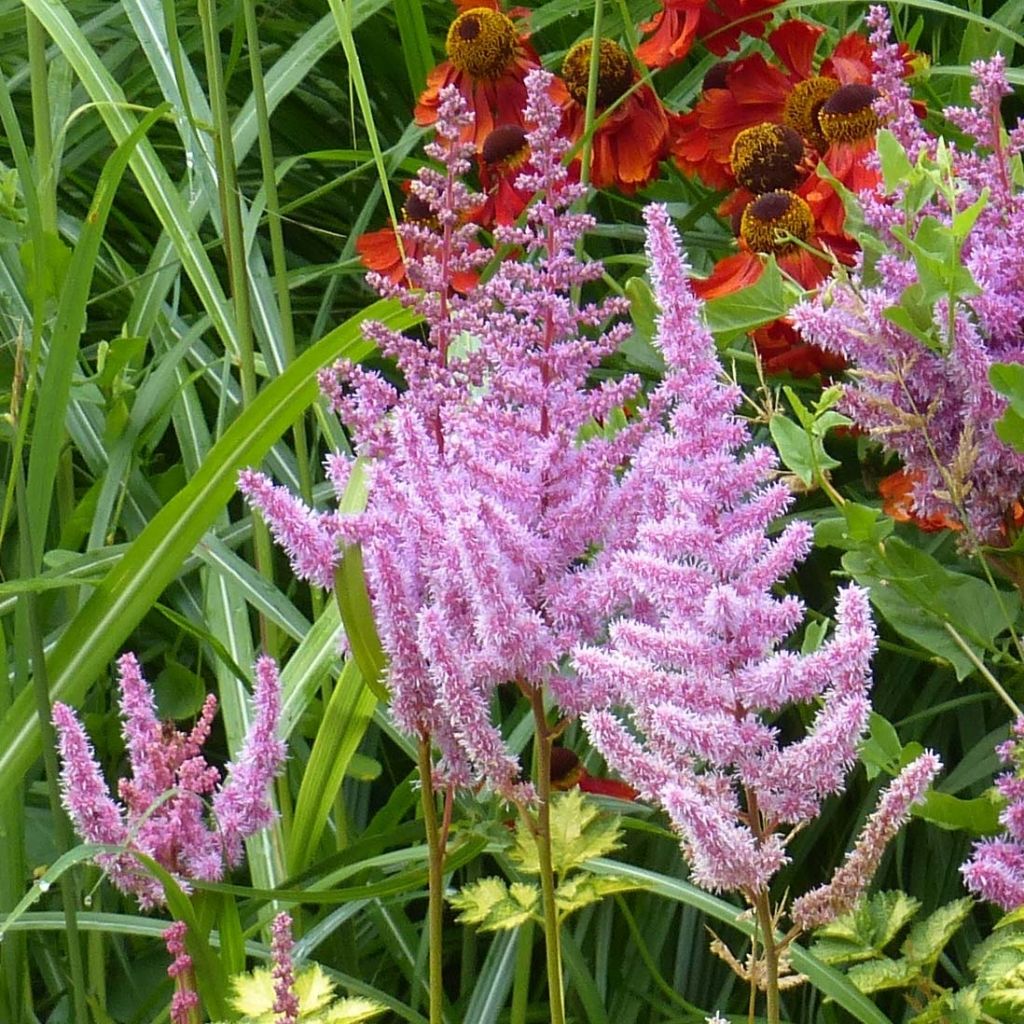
x=979, y=816
x=963, y=1007
x=732, y=316
x=918, y=596
x=179, y=691
x=928, y=938
x=858, y=525
x=882, y=749
x=1008, y=380
x=895, y=164
x=493, y=905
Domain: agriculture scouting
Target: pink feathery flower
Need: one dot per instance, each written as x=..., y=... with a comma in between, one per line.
x=836, y=897
x=286, y=1002
x=680, y=695
x=164, y=811
x=484, y=497
x=995, y=869
x=926, y=394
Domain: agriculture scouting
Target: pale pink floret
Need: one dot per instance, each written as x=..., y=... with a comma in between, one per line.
x=164, y=814
x=286, y=1002
x=995, y=870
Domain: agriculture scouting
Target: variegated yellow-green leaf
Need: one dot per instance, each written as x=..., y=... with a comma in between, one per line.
x=928, y=937
x=864, y=932
x=579, y=831
x=876, y=975
x=583, y=888
x=493, y=905
x=253, y=995
x=963, y=1007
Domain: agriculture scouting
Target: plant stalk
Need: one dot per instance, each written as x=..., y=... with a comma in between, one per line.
x=771, y=956
x=435, y=876
x=542, y=836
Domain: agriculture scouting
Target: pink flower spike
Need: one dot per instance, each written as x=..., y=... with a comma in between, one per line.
x=829, y=901
x=286, y=1003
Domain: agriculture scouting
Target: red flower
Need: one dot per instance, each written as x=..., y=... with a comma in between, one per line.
x=488, y=60
x=751, y=91
x=503, y=156
x=719, y=23
x=783, y=350
x=567, y=771
x=897, y=491
x=630, y=141
x=380, y=250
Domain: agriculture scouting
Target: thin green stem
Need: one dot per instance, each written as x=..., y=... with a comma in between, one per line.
x=435, y=876
x=41, y=688
x=542, y=836
x=238, y=271
x=590, y=109
x=771, y=955
x=983, y=669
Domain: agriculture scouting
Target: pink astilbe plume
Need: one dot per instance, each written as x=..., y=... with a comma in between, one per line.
x=927, y=395
x=484, y=499
x=185, y=1001
x=286, y=1003
x=995, y=869
x=682, y=694
x=164, y=802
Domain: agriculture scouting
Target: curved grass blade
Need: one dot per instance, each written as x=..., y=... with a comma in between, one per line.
x=154, y=559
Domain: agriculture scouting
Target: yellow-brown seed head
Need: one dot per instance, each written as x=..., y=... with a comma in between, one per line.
x=771, y=214
x=505, y=147
x=614, y=72
x=803, y=104
x=482, y=43
x=766, y=157
x=416, y=211
x=848, y=115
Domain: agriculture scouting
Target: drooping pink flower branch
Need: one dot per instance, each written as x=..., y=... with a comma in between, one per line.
x=681, y=695
x=163, y=809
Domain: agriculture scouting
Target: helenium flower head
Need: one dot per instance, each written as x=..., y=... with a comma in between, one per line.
x=163, y=808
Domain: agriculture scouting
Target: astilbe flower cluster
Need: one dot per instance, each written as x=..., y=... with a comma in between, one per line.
x=483, y=498
x=684, y=691
x=162, y=810
x=995, y=869
x=933, y=403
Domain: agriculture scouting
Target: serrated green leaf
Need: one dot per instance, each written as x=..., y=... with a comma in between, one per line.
x=963, y=1007
x=492, y=905
x=866, y=930
x=998, y=955
x=583, y=888
x=878, y=975
x=928, y=938
x=579, y=831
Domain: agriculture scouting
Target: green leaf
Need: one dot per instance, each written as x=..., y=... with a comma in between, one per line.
x=882, y=750
x=879, y=975
x=583, y=888
x=979, y=817
x=493, y=905
x=918, y=596
x=858, y=525
x=179, y=691
x=895, y=164
x=865, y=931
x=732, y=316
x=579, y=831
x=928, y=938
x=1008, y=380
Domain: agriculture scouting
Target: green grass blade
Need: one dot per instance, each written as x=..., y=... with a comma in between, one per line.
x=344, y=723
x=416, y=49
x=154, y=559
x=828, y=981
